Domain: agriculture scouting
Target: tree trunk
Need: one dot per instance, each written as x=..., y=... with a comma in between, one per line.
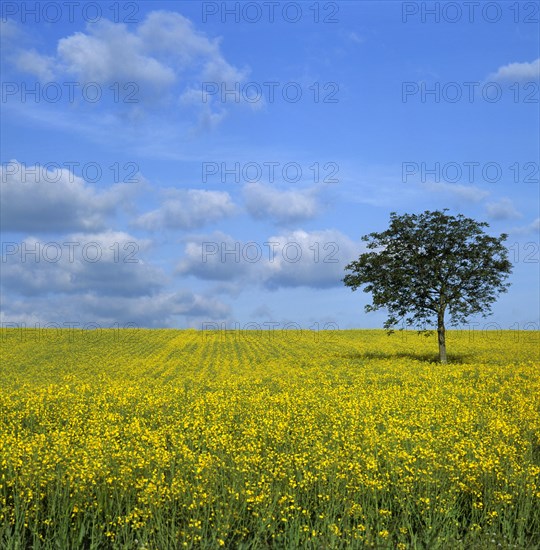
x=441, y=336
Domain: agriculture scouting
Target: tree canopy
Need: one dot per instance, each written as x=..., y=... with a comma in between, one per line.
x=429, y=265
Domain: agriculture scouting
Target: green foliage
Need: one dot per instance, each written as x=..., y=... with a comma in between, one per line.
x=425, y=265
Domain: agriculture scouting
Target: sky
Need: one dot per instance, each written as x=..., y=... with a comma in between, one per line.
x=215, y=164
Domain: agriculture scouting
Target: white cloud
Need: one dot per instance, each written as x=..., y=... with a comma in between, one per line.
x=171, y=32
x=214, y=257
x=35, y=199
x=290, y=206
x=466, y=192
x=109, y=52
x=9, y=32
x=533, y=227
x=30, y=61
x=154, y=69
x=188, y=209
x=298, y=258
x=164, y=50
x=159, y=310
x=108, y=263
x=95, y=278
x=519, y=71
x=12, y=36
x=165, y=309
x=503, y=209
x=321, y=263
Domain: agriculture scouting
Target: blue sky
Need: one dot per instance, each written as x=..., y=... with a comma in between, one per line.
x=172, y=164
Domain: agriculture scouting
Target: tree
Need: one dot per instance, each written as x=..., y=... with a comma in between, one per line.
x=427, y=265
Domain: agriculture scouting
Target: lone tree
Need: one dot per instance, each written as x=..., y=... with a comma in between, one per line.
x=426, y=265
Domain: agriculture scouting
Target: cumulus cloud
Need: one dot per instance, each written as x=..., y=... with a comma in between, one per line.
x=108, y=263
x=298, y=258
x=163, y=51
x=159, y=310
x=149, y=75
x=519, y=71
x=188, y=209
x=162, y=310
x=314, y=259
x=35, y=199
x=30, y=61
x=109, y=52
x=215, y=257
x=503, y=209
x=284, y=207
x=171, y=32
x=99, y=278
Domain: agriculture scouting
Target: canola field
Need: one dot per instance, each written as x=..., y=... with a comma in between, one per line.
x=158, y=439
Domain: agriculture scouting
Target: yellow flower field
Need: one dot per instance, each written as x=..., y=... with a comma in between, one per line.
x=185, y=439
